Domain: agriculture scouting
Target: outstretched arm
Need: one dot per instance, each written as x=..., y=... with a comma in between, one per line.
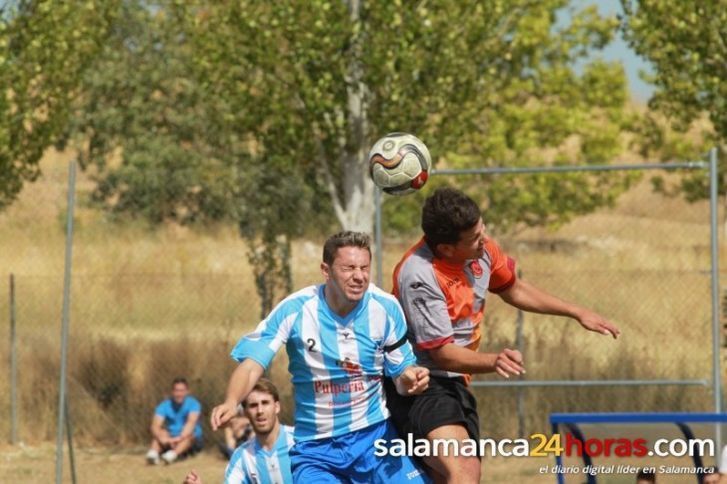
x=242, y=381
x=527, y=297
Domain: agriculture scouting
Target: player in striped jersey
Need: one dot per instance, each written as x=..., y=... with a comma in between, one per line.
x=342, y=337
x=263, y=459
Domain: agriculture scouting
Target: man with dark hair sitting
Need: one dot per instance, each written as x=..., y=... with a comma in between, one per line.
x=175, y=428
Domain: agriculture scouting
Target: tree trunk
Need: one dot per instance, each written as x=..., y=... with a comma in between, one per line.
x=356, y=209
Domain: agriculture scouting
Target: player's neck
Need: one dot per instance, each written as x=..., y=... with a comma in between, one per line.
x=340, y=306
x=267, y=441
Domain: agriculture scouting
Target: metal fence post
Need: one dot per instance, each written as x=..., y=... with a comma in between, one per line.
x=714, y=245
x=520, y=345
x=13, y=367
x=64, y=319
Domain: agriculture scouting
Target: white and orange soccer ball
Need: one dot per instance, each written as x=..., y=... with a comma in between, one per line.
x=399, y=163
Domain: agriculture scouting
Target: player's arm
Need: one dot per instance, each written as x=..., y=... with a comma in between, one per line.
x=255, y=352
x=230, y=440
x=451, y=357
x=242, y=381
x=527, y=297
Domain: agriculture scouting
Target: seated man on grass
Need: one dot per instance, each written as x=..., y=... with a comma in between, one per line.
x=175, y=428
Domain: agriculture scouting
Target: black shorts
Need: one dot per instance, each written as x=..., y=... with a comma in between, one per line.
x=447, y=401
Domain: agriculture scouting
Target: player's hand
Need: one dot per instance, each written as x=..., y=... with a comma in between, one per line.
x=509, y=362
x=222, y=414
x=597, y=323
x=192, y=478
x=413, y=381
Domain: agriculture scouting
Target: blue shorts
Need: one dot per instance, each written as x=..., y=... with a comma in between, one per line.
x=350, y=458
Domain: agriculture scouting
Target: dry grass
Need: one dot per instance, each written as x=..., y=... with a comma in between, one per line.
x=149, y=305
x=37, y=465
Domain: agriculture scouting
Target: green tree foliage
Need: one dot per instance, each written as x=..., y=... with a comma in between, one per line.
x=44, y=48
x=686, y=42
x=263, y=112
x=492, y=82
x=161, y=148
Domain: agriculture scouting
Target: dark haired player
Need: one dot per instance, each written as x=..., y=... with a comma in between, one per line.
x=342, y=338
x=442, y=283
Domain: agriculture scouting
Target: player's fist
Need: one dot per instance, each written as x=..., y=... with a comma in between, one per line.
x=412, y=381
x=509, y=362
x=222, y=414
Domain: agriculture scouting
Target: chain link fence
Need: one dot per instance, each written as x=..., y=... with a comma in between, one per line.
x=643, y=263
x=130, y=335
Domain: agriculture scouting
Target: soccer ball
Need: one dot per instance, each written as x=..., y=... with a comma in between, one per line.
x=399, y=163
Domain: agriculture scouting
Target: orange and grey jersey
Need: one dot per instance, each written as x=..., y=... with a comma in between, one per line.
x=444, y=303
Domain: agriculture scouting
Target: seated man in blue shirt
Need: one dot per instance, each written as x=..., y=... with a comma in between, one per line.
x=176, y=428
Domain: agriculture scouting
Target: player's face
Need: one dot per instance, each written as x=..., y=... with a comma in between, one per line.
x=179, y=392
x=262, y=410
x=471, y=244
x=348, y=275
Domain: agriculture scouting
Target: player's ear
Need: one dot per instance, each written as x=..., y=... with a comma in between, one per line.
x=445, y=250
x=325, y=270
x=277, y=408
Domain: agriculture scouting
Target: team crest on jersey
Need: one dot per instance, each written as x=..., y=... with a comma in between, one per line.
x=476, y=269
x=353, y=369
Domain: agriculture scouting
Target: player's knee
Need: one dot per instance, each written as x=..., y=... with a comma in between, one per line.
x=471, y=466
x=463, y=470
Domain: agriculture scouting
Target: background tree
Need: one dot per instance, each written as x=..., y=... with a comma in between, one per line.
x=686, y=42
x=160, y=148
x=263, y=113
x=317, y=83
x=45, y=46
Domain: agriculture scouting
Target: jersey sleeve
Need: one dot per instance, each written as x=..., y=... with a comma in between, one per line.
x=502, y=268
x=161, y=409
x=272, y=333
x=398, y=353
x=425, y=307
x=194, y=405
x=234, y=473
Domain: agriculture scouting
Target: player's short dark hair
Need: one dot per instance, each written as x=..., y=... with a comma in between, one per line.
x=646, y=475
x=265, y=386
x=446, y=214
x=347, y=238
x=180, y=379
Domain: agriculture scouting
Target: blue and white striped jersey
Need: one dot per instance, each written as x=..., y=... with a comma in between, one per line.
x=337, y=363
x=252, y=464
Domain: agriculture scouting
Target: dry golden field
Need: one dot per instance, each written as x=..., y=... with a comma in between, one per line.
x=148, y=305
